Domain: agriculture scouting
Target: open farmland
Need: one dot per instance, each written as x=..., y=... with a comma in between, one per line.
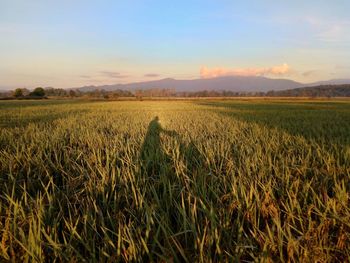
x=179, y=181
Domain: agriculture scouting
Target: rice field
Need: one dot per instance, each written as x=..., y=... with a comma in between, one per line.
x=175, y=181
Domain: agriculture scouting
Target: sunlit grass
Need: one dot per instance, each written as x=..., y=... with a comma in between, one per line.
x=219, y=181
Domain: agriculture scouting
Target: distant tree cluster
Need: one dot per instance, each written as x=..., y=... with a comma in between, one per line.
x=215, y=93
x=115, y=94
x=316, y=91
x=56, y=92
x=156, y=92
x=37, y=93
x=18, y=93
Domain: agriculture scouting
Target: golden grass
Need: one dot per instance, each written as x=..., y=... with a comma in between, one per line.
x=223, y=182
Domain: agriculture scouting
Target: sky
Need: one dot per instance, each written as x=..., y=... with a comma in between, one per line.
x=66, y=43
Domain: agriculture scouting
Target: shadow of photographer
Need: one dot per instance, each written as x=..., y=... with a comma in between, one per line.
x=155, y=162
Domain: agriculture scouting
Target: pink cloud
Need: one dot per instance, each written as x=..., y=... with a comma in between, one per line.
x=221, y=72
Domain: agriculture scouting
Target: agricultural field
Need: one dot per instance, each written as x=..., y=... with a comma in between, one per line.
x=175, y=181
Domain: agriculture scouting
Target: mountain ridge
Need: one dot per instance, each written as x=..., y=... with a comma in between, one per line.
x=230, y=83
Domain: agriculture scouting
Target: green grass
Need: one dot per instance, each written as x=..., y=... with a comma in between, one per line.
x=205, y=181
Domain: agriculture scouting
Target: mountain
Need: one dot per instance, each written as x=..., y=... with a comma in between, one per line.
x=4, y=89
x=231, y=83
x=330, y=82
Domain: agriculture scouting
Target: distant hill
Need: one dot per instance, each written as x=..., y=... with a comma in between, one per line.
x=233, y=83
x=330, y=82
x=315, y=91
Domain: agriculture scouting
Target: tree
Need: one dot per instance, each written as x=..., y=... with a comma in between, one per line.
x=72, y=93
x=25, y=92
x=49, y=91
x=18, y=93
x=38, y=92
x=139, y=94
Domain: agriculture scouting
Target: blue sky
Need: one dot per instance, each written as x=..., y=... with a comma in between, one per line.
x=73, y=43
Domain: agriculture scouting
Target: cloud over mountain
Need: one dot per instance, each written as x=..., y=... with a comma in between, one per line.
x=222, y=72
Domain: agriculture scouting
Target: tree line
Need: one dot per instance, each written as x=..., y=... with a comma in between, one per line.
x=315, y=91
x=39, y=93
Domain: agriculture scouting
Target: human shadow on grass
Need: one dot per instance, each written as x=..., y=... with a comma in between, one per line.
x=164, y=182
x=155, y=161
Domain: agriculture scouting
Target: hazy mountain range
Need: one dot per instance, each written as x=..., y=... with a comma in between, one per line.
x=231, y=83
